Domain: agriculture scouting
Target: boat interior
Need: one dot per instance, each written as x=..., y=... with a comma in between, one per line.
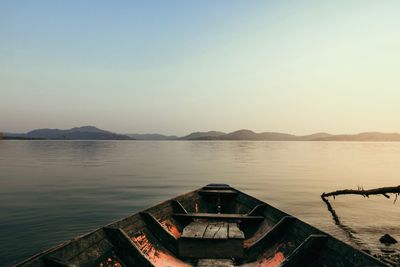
x=215, y=225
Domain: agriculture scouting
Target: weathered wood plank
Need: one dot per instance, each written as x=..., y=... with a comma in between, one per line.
x=210, y=240
x=218, y=216
x=126, y=249
x=210, y=248
x=218, y=192
x=91, y=255
x=77, y=246
x=166, y=238
x=234, y=231
x=217, y=186
x=215, y=263
x=194, y=230
x=216, y=230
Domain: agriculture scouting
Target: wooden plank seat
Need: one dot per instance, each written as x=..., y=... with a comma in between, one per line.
x=218, y=192
x=217, y=186
x=215, y=263
x=218, y=216
x=211, y=240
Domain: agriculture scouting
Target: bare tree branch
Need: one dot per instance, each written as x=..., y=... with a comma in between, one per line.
x=385, y=191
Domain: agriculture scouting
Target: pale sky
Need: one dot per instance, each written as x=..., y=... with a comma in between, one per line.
x=174, y=67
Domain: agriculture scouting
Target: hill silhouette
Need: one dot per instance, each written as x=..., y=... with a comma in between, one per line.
x=94, y=133
x=202, y=135
x=77, y=133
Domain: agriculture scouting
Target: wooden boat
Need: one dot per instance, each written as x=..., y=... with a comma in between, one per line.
x=216, y=225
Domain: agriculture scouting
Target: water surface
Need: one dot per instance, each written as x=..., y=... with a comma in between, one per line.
x=51, y=191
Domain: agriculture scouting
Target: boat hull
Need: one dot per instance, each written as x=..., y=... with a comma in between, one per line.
x=215, y=225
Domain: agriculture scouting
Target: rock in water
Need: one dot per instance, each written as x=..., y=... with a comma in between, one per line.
x=387, y=239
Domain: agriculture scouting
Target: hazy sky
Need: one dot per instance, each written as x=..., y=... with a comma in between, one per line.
x=178, y=66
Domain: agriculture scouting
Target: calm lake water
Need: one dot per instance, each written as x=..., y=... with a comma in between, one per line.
x=51, y=191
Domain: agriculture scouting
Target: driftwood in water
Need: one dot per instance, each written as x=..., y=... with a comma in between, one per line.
x=385, y=191
x=346, y=229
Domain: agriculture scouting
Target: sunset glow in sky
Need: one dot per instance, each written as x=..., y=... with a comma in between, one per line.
x=174, y=67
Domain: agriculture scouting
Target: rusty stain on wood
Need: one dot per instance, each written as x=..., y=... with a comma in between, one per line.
x=171, y=227
x=157, y=257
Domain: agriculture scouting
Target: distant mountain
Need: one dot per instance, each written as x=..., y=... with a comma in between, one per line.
x=77, y=133
x=153, y=137
x=250, y=135
x=239, y=135
x=22, y=135
x=315, y=136
x=369, y=136
x=276, y=136
x=273, y=136
x=93, y=133
x=12, y=136
x=243, y=134
x=202, y=135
